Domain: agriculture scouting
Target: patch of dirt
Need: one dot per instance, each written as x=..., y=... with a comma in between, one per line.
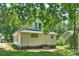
x=38, y=50
x=5, y=46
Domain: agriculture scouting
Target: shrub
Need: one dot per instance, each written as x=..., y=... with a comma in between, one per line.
x=60, y=41
x=72, y=42
x=65, y=52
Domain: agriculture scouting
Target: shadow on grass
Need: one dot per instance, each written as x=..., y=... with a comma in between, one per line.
x=42, y=53
x=25, y=53
x=19, y=52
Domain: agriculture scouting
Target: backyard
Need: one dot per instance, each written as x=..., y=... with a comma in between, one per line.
x=33, y=24
x=9, y=50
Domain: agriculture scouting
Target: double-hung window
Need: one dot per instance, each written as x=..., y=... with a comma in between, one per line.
x=37, y=25
x=34, y=35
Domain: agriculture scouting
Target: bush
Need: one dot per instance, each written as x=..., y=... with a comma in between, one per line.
x=65, y=52
x=72, y=42
x=60, y=42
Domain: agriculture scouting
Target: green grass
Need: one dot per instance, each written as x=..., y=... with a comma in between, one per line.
x=63, y=52
x=25, y=53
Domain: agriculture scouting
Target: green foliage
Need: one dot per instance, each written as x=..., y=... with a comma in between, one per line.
x=60, y=41
x=66, y=52
x=17, y=15
x=72, y=42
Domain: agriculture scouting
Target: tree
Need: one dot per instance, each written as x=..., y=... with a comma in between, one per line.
x=19, y=14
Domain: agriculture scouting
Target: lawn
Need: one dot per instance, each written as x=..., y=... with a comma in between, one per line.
x=25, y=53
x=62, y=51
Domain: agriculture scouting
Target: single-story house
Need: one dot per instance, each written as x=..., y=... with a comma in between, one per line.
x=34, y=38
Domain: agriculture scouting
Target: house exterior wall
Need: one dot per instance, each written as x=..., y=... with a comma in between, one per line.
x=23, y=39
x=27, y=40
x=16, y=38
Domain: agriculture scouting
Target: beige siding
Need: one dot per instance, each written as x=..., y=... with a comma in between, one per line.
x=24, y=39
x=27, y=40
x=16, y=38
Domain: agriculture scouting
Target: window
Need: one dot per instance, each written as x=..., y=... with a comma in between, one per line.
x=39, y=25
x=36, y=25
x=34, y=35
x=51, y=37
